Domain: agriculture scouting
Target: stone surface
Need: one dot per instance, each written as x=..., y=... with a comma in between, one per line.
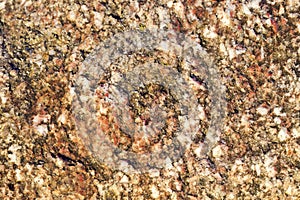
x=255, y=46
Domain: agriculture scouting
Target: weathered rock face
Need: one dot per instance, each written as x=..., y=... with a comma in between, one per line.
x=254, y=48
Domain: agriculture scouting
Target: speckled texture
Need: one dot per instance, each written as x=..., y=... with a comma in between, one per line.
x=255, y=46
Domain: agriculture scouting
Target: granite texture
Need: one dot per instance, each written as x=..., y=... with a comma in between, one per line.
x=255, y=46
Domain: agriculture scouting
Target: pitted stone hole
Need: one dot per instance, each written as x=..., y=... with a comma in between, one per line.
x=150, y=120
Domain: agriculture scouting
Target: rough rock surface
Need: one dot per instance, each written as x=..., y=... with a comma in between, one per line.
x=255, y=45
